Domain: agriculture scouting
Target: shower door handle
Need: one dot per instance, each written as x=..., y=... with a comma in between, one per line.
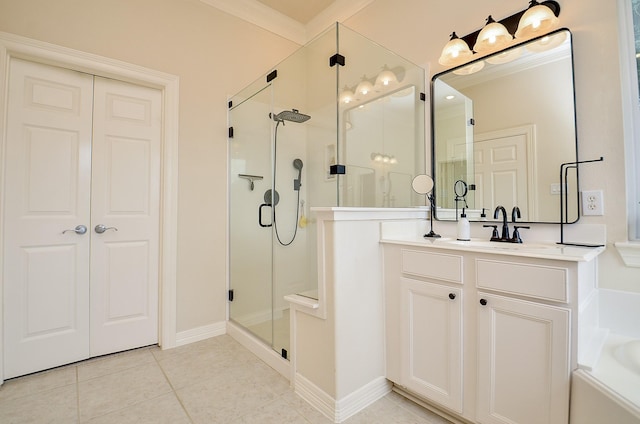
x=260, y=215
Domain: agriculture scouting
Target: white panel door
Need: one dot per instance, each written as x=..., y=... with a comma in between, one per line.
x=47, y=191
x=501, y=173
x=125, y=199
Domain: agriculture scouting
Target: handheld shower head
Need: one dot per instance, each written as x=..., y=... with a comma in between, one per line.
x=297, y=164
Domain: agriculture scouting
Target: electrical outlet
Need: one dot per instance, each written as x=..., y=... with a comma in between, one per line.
x=555, y=189
x=592, y=202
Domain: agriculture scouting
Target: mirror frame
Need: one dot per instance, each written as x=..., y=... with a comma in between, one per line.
x=561, y=219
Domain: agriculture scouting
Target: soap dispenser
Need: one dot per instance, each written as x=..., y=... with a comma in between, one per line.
x=464, y=229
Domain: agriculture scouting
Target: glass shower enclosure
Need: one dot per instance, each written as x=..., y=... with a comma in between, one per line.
x=338, y=123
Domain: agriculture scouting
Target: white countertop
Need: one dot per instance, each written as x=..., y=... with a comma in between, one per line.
x=541, y=250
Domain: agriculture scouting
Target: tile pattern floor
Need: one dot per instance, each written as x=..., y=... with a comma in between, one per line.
x=212, y=381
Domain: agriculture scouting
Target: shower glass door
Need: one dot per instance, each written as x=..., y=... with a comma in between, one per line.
x=250, y=215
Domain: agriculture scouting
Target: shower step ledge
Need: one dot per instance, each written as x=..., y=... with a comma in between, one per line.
x=303, y=301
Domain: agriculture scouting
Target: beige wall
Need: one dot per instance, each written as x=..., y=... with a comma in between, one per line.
x=418, y=29
x=216, y=55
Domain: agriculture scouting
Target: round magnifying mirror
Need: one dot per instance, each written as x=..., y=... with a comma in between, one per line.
x=460, y=188
x=422, y=184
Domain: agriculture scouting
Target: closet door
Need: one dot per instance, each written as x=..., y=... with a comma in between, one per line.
x=46, y=207
x=125, y=202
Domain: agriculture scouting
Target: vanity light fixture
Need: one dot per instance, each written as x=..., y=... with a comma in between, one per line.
x=346, y=96
x=470, y=69
x=505, y=57
x=386, y=78
x=383, y=158
x=539, y=19
x=364, y=88
x=547, y=42
x=455, y=52
x=528, y=23
x=493, y=37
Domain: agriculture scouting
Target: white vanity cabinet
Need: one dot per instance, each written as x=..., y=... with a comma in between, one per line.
x=487, y=337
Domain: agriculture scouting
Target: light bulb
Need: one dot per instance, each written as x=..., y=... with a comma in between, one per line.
x=455, y=52
x=492, y=37
x=346, y=96
x=386, y=78
x=364, y=88
x=537, y=20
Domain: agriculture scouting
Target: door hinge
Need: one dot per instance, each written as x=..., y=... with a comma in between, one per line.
x=231, y=295
x=230, y=132
x=284, y=353
x=273, y=75
x=337, y=59
x=337, y=170
x=472, y=121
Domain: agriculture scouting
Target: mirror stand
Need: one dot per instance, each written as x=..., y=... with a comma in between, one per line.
x=432, y=205
x=423, y=184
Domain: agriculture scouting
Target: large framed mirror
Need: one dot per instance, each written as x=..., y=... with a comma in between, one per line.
x=501, y=128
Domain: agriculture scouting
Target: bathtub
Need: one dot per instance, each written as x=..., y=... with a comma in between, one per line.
x=606, y=386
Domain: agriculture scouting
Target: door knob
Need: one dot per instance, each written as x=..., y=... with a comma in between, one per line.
x=80, y=229
x=101, y=228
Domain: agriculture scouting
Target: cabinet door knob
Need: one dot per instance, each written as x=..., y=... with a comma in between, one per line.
x=483, y=302
x=452, y=296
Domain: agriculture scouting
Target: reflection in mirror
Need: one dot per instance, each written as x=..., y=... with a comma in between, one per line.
x=503, y=125
x=384, y=149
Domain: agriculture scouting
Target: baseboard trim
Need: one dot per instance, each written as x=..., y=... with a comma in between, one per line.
x=201, y=333
x=260, y=349
x=341, y=410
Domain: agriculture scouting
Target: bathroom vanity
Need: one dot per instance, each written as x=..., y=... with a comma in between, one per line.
x=485, y=332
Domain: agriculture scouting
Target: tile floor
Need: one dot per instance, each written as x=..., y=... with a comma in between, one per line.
x=212, y=381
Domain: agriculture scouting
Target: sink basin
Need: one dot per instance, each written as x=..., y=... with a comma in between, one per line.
x=495, y=245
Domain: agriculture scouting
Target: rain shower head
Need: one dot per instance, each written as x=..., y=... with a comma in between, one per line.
x=291, y=115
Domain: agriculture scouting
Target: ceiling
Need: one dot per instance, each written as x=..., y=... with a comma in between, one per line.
x=297, y=20
x=301, y=11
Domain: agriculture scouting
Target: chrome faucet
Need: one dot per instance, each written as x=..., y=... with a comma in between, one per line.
x=505, y=225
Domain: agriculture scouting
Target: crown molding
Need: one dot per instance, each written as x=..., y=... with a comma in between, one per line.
x=339, y=11
x=258, y=14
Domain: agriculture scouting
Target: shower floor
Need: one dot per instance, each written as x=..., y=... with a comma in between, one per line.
x=280, y=331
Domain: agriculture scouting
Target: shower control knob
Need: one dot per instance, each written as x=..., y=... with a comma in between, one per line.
x=452, y=296
x=483, y=302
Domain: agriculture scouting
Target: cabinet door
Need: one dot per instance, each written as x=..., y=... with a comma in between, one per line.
x=432, y=341
x=523, y=362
